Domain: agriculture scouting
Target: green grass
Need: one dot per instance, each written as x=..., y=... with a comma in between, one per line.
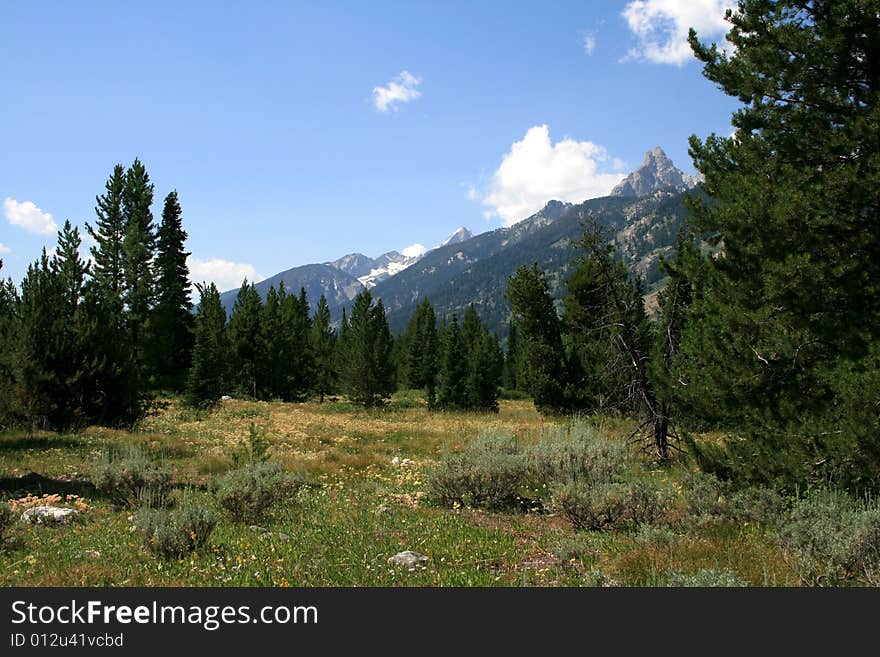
x=357, y=509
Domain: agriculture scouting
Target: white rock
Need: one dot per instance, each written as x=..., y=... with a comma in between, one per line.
x=408, y=558
x=48, y=515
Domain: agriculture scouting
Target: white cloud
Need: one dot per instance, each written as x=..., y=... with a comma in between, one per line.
x=661, y=27
x=27, y=215
x=4, y=248
x=224, y=274
x=536, y=171
x=401, y=89
x=414, y=250
x=589, y=43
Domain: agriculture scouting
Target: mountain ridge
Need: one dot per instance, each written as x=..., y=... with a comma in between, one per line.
x=643, y=216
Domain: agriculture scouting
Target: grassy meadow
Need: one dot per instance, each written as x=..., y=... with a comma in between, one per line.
x=364, y=500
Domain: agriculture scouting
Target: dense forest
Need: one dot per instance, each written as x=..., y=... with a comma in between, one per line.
x=771, y=336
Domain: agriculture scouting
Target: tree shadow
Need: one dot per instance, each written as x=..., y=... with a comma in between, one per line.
x=39, y=442
x=37, y=484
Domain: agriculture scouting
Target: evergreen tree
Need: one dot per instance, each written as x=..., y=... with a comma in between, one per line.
x=386, y=382
x=8, y=341
x=39, y=360
x=611, y=339
x=138, y=248
x=606, y=329
x=323, y=341
x=510, y=378
x=107, y=254
x=172, y=317
x=54, y=360
x=543, y=369
x=367, y=373
x=118, y=385
x=71, y=269
x=245, y=341
x=421, y=350
x=785, y=321
x=207, y=377
x=484, y=375
x=273, y=351
x=453, y=390
x=299, y=358
x=471, y=327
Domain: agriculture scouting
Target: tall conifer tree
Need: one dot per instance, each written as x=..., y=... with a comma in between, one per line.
x=323, y=342
x=208, y=376
x=172, y=317
x=138, y=248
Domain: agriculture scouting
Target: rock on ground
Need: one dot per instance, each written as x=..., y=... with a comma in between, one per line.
x=408, y=558
x=48, y=515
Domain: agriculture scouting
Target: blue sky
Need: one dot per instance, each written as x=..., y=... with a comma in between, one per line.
x=299, y=132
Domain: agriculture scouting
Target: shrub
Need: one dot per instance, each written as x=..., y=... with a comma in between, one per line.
x=173, y=533
x=705, y=578
x=648, y=502
x=660, y=537
x=756, y=504
x=709, y=498
x=597, y=578
x=254, y=450
x=568, y=550
x=7, y=520
x=591, y=507
x=489, y=473
x=600, y=506
x=576, y=454
x=705, y=495
x=247, y=492
x=831, y=538
x=125, y=474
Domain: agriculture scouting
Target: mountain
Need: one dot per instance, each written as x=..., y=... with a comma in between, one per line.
x=337, y=285
x=476, y=270
x=643, y=216
x=340, y=280
x=461, y=234
x=355, y=264
x=385, y=266
x=656, y=173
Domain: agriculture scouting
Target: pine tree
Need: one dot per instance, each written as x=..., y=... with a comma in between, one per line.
x=484, y=375
x=172, y=317
x=107, y=254
x=207, y=377
x=299, y=358
x=543, y=368
x=471, y=327
x=786, y=316
x=118, y=385
x=611, y=339
x=273, y=351
x=453, y=390
x=510, y=378
x=53, y=362
x=138, y=248
x=39, y=359
x=383, y=344
x=367, y=373
x=421, y=350
x=323, y=341
x=9, y=322
x=245, y=341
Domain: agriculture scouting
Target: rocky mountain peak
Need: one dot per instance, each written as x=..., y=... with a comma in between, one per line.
x=459, y=235
x=656, y=172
